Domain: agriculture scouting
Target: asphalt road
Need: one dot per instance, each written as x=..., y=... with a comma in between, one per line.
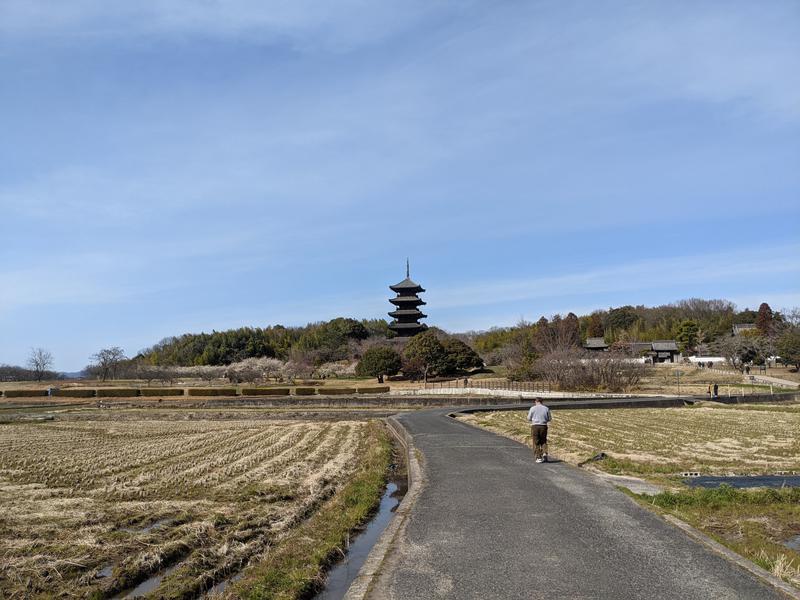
x=491, y=523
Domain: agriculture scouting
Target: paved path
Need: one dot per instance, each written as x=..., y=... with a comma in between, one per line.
x=776, y=380
x=490, y=523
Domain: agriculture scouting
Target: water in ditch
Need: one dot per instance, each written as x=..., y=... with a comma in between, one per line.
x=343, y=573
x=146, y=586
x=745, y=481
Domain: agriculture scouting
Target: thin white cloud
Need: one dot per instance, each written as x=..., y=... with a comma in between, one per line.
x=111, y=276
x=306, y=24
x=748, y=54
x=746, y=264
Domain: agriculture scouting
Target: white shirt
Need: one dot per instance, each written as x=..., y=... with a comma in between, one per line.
x=539, y=414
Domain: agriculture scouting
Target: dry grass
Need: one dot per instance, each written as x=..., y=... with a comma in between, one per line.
x=713, y=439
x=782, y=372
x=741, y=439
x=755, y=523
x=663, y=379
x=91, y=508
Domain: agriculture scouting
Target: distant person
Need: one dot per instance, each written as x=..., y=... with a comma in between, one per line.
x=709, y=390
x=747, y=369
x=539, y=417
x=716, y=390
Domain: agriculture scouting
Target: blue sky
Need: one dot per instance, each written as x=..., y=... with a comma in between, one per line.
x=179, y=166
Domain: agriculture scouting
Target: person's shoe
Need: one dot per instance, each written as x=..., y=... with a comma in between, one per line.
x=539, y=460
x=544, y=458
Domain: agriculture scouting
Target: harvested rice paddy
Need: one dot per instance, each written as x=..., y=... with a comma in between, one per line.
x=95, y=508
x=739, y=439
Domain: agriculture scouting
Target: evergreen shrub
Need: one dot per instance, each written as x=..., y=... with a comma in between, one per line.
x=161, y=391
x=211, y=391
x=265, y=391
x=305, y=391
x=25, y=393
x=117, y=392
x=337, y=391
x=76, y=393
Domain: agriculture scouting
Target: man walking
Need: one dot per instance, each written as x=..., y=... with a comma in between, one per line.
x=539, y=416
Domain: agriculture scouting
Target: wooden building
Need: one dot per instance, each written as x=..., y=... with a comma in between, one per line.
x=406, y=314
x=596, y=344
x=660, y=351
x=664, y=351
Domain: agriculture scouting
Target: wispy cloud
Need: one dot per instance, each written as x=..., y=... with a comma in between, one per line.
x=288, y=151
x=304, y=23
x=763, y=263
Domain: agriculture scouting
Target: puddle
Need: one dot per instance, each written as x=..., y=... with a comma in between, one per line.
x=147, y=528
x=343, y=573
x=148, y=585
x=793, y=543
x=745, y=481
x=220, y=587
x=106, y=571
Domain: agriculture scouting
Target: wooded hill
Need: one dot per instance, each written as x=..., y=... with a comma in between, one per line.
x=692, y=323
x=711, y=320
x=319, y=343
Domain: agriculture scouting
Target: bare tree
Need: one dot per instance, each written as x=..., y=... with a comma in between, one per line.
x=39, y=362
x=166, y=375
x=792, y=316
x=742, y=349
x=575, y=370
x=209, y=374
x=147, y=372
x=106, y=362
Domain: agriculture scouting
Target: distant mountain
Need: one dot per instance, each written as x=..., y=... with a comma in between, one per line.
x=72, y=374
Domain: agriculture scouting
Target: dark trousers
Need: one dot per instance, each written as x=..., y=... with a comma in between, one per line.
x=539, y=439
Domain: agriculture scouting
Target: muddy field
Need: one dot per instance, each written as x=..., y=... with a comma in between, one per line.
x=95, y=508
x=712, y=439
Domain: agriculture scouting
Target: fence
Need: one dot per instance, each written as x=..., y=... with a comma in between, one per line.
x=490, y=384
x=758, y=376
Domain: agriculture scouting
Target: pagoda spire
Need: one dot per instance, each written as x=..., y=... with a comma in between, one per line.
x=408, y=270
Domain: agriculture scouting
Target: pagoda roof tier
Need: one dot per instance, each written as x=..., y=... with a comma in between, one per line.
x=407, y=286
x=410, y=312
x=399, y=300
x=406, y=326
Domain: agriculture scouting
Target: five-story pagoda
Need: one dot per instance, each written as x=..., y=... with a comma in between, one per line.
x=406, y=314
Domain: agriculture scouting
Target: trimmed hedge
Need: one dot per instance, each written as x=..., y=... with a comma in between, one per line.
x=373, y=390
x=25, y=393
x=76, y=393
x=337, y=391
x=117, y=392
x=161, y=391
x=211, y=391
x=303, y=391
x=265, y=391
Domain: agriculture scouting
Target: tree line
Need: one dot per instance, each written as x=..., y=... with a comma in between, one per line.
x=316, y=342
x=345, y=346
x=38, y=367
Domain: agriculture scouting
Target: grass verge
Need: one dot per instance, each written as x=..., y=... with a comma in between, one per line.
x=753, y=523
x=294, y=569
